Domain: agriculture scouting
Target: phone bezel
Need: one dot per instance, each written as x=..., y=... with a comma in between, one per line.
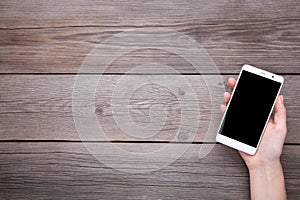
x=237, y=144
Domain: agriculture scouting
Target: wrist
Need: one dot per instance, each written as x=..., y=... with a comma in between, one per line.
x=267, y=181
x=269, y=169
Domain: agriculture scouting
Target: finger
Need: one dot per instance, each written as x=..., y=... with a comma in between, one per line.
x=271, y=121
x=231, y=83
x=222, y=108
x=280, y=113
x=242, y=153
x=226, y=97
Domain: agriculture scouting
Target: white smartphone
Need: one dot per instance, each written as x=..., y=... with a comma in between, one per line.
x=249, y=109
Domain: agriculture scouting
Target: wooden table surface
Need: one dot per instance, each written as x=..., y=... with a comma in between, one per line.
x=43, y=44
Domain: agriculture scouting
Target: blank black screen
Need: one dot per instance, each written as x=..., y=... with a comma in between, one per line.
x=249, y=108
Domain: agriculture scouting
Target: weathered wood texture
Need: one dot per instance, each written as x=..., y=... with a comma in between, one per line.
x=40, y=106
x=52, y=38
x=68, y=171
x=31, y=13
x=55, y=37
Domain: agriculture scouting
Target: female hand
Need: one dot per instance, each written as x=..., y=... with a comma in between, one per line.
x=266, y=174
x=271, y=145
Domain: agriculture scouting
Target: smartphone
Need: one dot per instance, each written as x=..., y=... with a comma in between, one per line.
x=249, y=109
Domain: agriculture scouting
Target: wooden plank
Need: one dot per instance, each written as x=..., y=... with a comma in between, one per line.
x=39, y=107
x=271, y=45
x=41, y=170
x=57, y=13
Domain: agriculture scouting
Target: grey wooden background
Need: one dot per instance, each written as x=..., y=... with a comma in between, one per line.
x=43, y=44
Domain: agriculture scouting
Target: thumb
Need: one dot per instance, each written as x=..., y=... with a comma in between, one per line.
x=280, y=113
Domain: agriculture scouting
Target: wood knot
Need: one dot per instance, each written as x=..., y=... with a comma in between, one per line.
x=183, y=136
x=103, y=110
x=99, y=111
x=181, y=91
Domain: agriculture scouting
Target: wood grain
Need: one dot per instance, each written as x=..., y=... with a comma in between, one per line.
x=37, y=14
x=40, y=37
x=39, y=107
x=274, y=46
x=67, y=170
x=42, y=46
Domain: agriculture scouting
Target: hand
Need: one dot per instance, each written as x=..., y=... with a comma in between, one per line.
x=270, y=148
